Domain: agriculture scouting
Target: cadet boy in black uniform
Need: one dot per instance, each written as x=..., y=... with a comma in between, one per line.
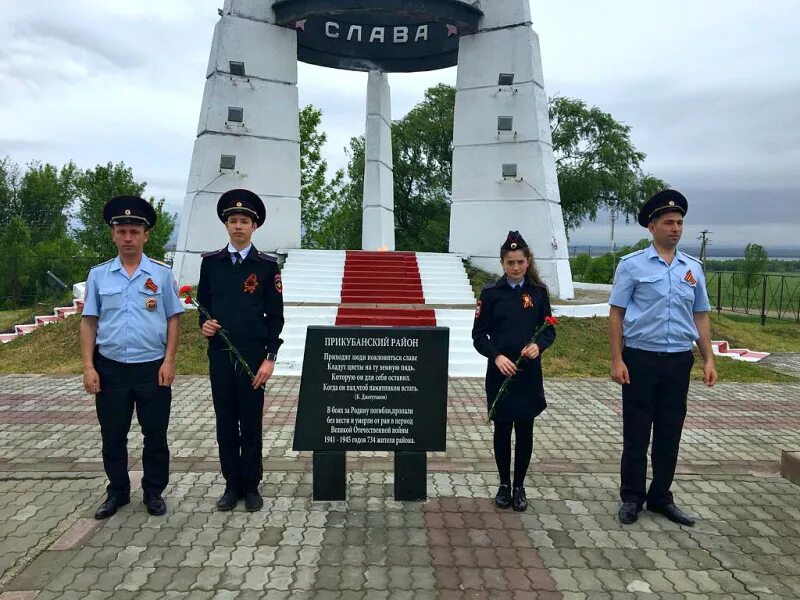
x=241, y=289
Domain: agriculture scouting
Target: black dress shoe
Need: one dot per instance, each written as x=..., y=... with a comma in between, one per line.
x=228, y=500
x=110, y=506
x=520, y=502
x=155, y=504
x=253, y=501
x=503, y=497
x=629, y=512
x=673, y=513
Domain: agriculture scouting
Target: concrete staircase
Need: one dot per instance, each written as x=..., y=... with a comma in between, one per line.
x=349, y=288
x=59, y=314
x=721, y=348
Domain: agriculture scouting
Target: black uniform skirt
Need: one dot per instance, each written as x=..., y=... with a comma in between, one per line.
x=523, y=398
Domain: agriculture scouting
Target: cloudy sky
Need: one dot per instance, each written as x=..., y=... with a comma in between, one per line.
x=711, y=90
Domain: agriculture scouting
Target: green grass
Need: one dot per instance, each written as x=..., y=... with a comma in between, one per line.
x=478, y=278
x=743, y=331
x=581, y=350
x=728, y=290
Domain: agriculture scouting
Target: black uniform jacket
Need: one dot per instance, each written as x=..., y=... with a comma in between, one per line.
x=505, y=321
x=246, y=299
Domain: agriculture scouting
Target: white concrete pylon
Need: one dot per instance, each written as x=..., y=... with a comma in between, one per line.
x=248, y=135
x=377, y=224
x=505, y=127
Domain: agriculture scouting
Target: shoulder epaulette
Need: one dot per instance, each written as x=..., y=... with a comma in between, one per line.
x=267, y=257
x=627, y=256
x=214, y=252
x=697, y=260
x=491, y=284
x=158, y=262
x=101, y=264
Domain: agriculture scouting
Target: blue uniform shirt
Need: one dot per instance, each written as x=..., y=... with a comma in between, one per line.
x=132, y=311
x=660, y=300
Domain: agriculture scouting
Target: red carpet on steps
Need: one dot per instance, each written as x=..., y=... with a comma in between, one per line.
x=386, y=317
x=382, y=278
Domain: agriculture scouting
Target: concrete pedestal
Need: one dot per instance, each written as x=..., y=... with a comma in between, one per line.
x=505, y=126
x=248, y=135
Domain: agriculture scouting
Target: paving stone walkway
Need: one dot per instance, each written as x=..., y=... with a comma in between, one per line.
x=568, y=544
x=783, y=362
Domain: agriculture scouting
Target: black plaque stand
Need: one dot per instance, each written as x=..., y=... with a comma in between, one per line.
x=329, y=476
x=410, y=476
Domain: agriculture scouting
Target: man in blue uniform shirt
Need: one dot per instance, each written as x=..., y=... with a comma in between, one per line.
x=659, y=308
x=129, y=339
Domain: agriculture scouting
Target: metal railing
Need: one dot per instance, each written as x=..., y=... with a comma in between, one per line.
x=761, y=294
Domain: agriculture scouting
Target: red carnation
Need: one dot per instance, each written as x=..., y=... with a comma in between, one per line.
x=185, y=290
x=551, y=321
x=188, y=300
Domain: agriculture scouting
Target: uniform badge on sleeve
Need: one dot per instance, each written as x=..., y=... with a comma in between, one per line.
x=527, y=300
x=478, y=309
x=689, y=278
x=251, y=283
x=150, y=303
x=278, y=283
x=151, y=285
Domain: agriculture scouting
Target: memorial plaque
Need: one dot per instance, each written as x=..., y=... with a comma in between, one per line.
x=373, y=388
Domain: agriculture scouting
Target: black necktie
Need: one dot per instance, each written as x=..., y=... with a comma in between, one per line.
x=237, y=258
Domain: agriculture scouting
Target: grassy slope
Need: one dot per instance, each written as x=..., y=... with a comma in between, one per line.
x=581, y=350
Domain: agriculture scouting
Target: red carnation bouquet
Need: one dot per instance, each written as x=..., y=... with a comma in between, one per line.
x=548, y=322
x=187, y=289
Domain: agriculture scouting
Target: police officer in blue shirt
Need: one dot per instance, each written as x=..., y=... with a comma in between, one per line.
x=659, y=307
x=129, y=339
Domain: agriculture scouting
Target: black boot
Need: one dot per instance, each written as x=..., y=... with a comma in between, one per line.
x=629, y=512
x=228, y=500
x=673, y=513
x=519, y=500
x=155, y=504
x=503, y=497
x=253, y=501
x=110, y=506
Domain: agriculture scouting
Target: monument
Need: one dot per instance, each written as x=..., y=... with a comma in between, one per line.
x=248, y=135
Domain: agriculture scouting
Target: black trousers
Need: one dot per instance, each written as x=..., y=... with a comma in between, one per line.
x=124, y=386
x=654, y=399
x=239, y=410
x=523, y=450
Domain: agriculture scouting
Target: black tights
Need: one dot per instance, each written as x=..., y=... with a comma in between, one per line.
x=522, y=454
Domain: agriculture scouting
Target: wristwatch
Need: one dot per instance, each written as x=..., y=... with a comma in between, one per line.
x=271, y=356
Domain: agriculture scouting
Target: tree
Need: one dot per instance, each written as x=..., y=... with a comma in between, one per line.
x=41, y=197
x=15, y=256
x=598, y=166
x=45, y=196
x=754, y=264
x=422, y=148
x=97, y=186
x=340, y=227
x=317, y=195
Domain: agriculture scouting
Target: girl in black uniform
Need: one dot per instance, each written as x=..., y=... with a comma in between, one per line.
x=509, y=311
